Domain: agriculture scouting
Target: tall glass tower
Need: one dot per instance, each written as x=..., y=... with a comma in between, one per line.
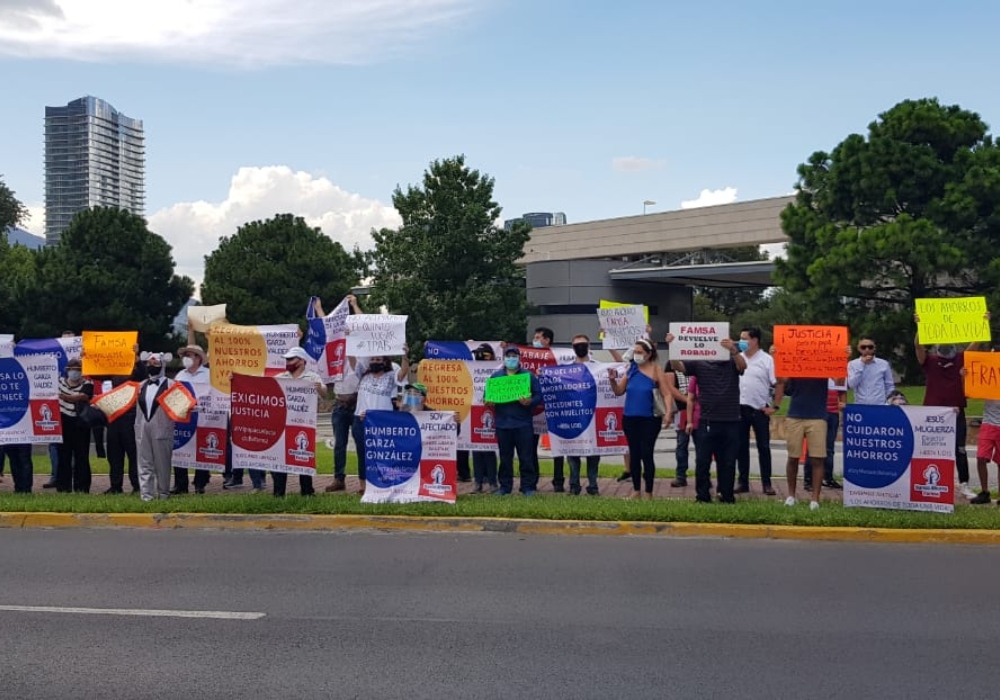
x=94, y=156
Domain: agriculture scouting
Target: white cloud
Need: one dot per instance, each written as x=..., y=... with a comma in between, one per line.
x=36, y=219
x=194, y=228
x=774, y=250
x=231, y=32
x=634, y=164
x=710, y=198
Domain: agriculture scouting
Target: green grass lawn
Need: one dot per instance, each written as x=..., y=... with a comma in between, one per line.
x=545, y=507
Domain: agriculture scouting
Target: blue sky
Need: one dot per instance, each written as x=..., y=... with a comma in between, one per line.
x=252, y=107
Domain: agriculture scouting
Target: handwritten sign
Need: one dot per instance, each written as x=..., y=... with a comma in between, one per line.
x=375, y=334
x=982, y=375
x=508, y=388
x=699, y=340
x=109, y=352
x=201, y=318
x=177, y=402
x=621, y=326
x=811, y=351
x=957, y=320
x=116, y=403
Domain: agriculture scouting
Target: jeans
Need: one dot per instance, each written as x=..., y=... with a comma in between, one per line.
x=358, y=432
x=121, y=445
x=54, y=461
x=961, y=458
x=523, y=440
x=593, y=463
x=641, y=433
x=558, y=476
x=720, y=439
x=22, y=470
x=99, y=443
x=341, y=419
x=832, y=424
x=683, y=443
x=280, y=481
x=484, y=467
x=761, y=424
x=462, y=472
x=74, y=457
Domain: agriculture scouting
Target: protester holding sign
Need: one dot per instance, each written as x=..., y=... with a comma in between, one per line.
x=378, y=382
x=154, y=433
x=296, y=361
x=514, y=428
x=193, y=358
x=988, y=447
x=75, y=393
x=120, y=437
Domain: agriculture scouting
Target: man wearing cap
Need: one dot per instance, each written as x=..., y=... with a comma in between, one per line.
x=154, y=433
x=514, y=429
x=296, y=361
x=194, y=372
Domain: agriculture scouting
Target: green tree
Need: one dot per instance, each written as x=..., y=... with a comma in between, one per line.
x=12, y=211
x=910, y=211
x=267, y=271
x=18, y=284
x=109, y=272
x=449, y=267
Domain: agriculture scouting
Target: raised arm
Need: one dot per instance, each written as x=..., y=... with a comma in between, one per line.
x=919, y=349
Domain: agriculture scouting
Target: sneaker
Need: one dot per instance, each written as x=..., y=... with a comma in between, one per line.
x=833, y=484
x=528, y=492
x=966, y=491
x=574, y=490
x=625, y=476
x=478, y=488
x=501, y=491
x=337, y=485
x=593, y=491
x=982, y=498
x=742, y=488
x=233, y=485
x=813, y=505
x=790, y=501
x=557, y=487
x=49, y=485
x=678, y=483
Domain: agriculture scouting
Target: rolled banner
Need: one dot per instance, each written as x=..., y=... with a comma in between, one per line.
x=201, y=318
x=117, y=402
x=177, y=402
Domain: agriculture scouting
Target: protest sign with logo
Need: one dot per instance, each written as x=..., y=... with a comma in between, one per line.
x=63, y=349
x=326, y=340
x=109, y=353
x=460, y=350
x=900, y=457
x=621, y=326
x=950, y=321
x=274, y=424
x=201, y=318
x=256, y=351
x=533, y=359
x=369, y=335
x=583, y=414
x=811, y=351
x=460, y=386
x=699, y=340
x=200, y=443
x=410, y=457
x=982, y=375
x=29, y=400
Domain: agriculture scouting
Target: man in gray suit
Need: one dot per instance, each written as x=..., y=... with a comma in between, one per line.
x=154, y=433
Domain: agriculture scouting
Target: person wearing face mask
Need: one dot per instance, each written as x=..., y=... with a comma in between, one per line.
x=194, y=372
x=484, y=463
x=543, y=338
x=75, y=393
x=154, y=433
x=121, y=437
x=515, y=431
x=296, y=363
x=756, y=384
x=581, y=348
x=379, y=380
x=942, y=367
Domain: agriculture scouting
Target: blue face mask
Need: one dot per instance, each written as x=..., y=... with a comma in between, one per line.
x=537, y=344
x=743, y=345
x=511, y=362
x=412, y=401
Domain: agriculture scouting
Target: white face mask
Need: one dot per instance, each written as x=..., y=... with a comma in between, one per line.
x=639, y=359
x=188, y=362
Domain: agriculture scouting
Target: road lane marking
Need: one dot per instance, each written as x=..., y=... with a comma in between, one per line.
x=198, y=614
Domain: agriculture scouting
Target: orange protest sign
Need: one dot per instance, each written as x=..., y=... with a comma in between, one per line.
x=117, y=402
x=810, y=351
x=982, y=375
x=109, y=352
x=177, y=402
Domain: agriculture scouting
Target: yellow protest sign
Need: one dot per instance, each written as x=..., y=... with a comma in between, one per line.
x=955, y=320
x=982, y=375
x=109, y=352
x=257, y=351
x=449, y=386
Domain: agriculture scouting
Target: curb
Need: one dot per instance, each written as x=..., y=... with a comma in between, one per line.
x=333, y=523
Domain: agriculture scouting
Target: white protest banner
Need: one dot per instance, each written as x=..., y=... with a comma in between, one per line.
x=29, y=400
x=326, y=340
x=459, y=385
x=257, y=351
x=461, y=350
x=622, y=326
x=201, y=442
x=699, y=340
x=583, y=414
x=63, y=349
x=900, y=457
x=369, y=335
x=6, y=345
x=410, y=457
x=274, y=424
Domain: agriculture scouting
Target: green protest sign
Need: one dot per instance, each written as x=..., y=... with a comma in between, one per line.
x=508, y=388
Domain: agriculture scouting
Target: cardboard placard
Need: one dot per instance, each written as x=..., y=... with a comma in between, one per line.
x=811, y=351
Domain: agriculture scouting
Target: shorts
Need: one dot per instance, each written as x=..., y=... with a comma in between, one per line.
x=812, y=430
x=988, y=446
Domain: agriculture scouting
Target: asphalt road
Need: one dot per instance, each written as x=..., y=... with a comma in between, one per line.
x=371, y=615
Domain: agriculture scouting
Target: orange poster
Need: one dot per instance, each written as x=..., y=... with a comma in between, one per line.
x=109, y=353
x=982, y=375
x=811, y=351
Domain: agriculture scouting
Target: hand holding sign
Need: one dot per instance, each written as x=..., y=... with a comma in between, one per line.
x=509, y=388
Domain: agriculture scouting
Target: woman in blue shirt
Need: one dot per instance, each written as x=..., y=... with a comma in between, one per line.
x=641, y=424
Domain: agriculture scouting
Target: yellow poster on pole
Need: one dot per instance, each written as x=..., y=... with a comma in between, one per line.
x=955, y=320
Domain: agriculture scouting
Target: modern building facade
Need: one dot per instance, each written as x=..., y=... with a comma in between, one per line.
x=94, y=156
x=538, y=220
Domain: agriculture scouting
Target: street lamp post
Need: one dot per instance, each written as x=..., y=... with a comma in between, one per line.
x=647, y=203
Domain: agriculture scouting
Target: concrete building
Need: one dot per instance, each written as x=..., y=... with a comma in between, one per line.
x=639, y=260
x=538, y=220
x=94, y=156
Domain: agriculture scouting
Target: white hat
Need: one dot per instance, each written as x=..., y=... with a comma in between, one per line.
x=297, y=353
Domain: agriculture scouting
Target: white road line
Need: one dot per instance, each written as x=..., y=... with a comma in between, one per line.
x=202, y=614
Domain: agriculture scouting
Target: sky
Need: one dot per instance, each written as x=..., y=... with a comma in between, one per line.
x=322, y=107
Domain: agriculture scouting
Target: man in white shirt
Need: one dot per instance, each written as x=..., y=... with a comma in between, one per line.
x=194, y=372
x=756, y=384
x=296, y=361
x=345, y=399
